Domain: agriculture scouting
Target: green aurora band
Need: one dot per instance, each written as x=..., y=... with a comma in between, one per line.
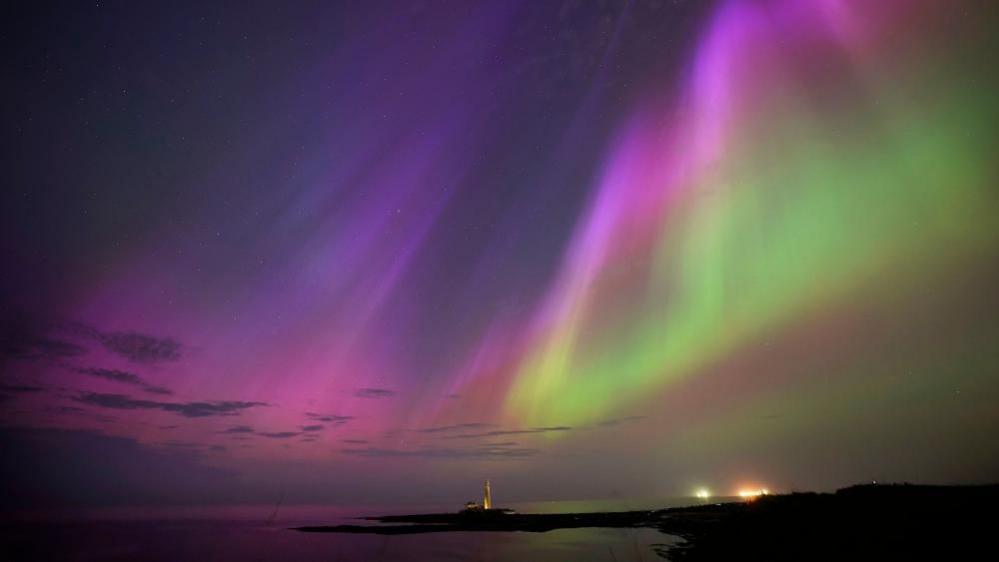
x=826, y=157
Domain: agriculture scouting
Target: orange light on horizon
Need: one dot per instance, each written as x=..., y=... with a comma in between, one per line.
x=753, y=494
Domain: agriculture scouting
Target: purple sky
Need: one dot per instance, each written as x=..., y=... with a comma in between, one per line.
x=370, y=251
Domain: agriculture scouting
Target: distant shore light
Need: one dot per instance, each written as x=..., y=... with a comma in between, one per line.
x=703, y=493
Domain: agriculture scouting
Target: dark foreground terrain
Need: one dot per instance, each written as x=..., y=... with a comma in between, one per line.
x=888, y=522
x=896, y=522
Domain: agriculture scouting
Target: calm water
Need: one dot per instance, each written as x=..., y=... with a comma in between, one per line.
x=244, y=533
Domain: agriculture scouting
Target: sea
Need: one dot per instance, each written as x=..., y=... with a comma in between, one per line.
x=248, y=533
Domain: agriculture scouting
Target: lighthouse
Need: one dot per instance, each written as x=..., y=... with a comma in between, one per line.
x=487, y=498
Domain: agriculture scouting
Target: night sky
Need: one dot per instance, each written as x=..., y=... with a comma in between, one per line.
x=380, y=251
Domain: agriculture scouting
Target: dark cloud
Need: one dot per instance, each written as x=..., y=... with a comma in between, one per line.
x=141, y=348
x=158, y=390
x=374, y=393
x=134, y=346
x=186, y=409
x=217, y=448
x=619, y=421
x=279, y=434
x=33, y=343
x=175, y=443
x=124, y=377
x=82, y=413
x=329, y=418
x=113, y=375
x=509, y=432
x=478, y=452
x=456, y=427
x=312, y=427
x=355, y=441
x=71, y=410
x=239, y=429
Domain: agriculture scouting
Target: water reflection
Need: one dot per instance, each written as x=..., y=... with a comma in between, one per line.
x=242, y=534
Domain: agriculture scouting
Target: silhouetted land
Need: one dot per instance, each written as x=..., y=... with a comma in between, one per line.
x=492, y=521
x=871, y=522
x=896, y=522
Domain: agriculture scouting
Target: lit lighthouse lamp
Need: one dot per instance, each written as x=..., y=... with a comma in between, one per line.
x=487, y=502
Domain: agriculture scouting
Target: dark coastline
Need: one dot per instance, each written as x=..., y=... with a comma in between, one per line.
x=537, y=522
x=861, y=522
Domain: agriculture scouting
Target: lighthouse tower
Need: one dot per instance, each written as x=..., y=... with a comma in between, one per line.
x=487, y=498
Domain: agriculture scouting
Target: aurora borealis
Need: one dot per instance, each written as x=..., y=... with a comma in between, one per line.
x=585, y=249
